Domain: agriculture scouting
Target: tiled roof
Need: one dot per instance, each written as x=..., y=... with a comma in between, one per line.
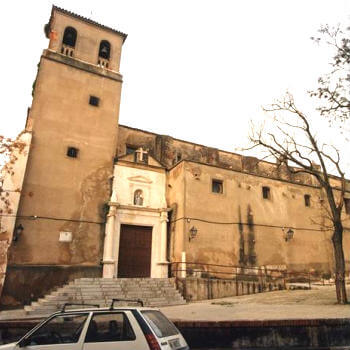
x=87, y=20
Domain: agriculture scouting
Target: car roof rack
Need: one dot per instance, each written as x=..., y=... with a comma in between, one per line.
x=63, y=309
x=130, y=300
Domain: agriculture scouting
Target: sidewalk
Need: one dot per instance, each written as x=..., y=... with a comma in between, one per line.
x=317, y=303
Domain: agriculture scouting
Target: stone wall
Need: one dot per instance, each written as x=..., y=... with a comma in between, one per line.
x=194, y=289
x=24, y=284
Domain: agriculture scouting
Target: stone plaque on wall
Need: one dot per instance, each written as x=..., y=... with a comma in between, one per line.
x=65, y=236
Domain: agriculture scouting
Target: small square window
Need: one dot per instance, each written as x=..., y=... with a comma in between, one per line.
x=94, y=101
x=72, y=152
x=307, y=200
x=217, y=186
x=347, y=205
x=266, y=192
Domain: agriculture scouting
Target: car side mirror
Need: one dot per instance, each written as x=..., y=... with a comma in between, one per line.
x=24, y=342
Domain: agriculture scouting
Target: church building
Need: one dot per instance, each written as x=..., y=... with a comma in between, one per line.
x=99, y=199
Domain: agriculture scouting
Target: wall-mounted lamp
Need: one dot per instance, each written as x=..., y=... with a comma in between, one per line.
x=288, y=235
x=17, y=232
x=193, y=233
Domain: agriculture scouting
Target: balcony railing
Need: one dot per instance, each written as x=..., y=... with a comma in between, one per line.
x=102, y=62
x=67, y=50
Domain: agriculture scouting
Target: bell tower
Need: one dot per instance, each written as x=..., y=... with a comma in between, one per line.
x=74, y=123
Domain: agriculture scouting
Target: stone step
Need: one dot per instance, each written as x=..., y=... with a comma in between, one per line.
x=122, y=284
x=100, y=292
x=110, y=296
x=153, y=292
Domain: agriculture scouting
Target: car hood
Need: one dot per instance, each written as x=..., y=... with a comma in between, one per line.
x=8, y=346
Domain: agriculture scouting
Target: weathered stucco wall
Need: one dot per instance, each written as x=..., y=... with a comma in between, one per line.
x=60, y=193
x=67, y=194
x=176, y=201
x=239, y=226
x=262, y=221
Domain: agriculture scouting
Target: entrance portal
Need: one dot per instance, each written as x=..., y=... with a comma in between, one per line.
x=135, y=249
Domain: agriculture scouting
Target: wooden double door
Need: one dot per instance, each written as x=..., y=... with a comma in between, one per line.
x=135, y=251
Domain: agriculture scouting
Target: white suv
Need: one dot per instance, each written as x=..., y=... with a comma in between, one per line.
x=114, y=328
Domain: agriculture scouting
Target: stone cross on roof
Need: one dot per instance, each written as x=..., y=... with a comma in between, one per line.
x=140, y=154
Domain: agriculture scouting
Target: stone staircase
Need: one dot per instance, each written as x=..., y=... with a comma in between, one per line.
x=152, y=291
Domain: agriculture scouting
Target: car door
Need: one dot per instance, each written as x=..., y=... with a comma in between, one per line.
x=114, y=330
x=61, y=332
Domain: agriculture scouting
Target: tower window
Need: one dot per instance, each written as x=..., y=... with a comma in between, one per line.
x=104, y=54
x=347, y=205
x=72, y=152
x=307, y=200
x=266, y=193
x=94, y=101
x=217, y=186
x=68, y=42
x=105, y=49
x=69, y=36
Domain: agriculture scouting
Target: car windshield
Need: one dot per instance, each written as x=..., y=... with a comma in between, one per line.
x=160, y=324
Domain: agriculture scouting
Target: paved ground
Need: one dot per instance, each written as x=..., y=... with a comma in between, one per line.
x=319, y=302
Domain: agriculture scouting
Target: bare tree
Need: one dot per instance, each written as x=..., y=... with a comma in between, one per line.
x=296, y=144
x=334, y=87
x=10, y=151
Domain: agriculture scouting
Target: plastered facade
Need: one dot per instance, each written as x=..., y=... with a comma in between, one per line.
x=239, y=226
x=150, y=181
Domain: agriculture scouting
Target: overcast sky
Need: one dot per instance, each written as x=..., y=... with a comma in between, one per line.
x=197, y=70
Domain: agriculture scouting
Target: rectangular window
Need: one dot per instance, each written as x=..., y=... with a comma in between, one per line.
x=266, y=192
x=347, y=205
x=217, y=186
x=111, y=327
x=94, y=101
x=160, y=324
x=307, y=200
x=72, y=152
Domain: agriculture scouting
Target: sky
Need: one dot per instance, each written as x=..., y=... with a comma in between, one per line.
x=197, y=70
